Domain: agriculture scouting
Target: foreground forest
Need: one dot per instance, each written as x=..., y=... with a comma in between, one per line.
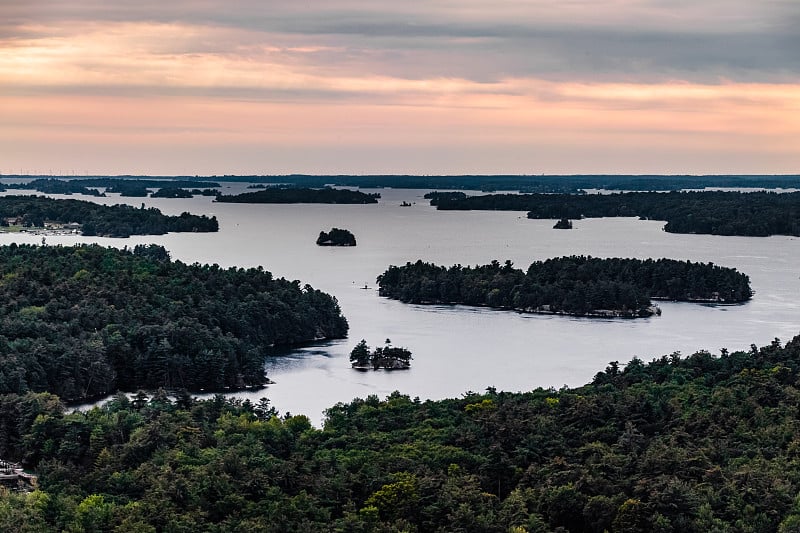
x=575, y=285
x=754, y=214
x=85, y=321
x=696, y=444
x=95, y=219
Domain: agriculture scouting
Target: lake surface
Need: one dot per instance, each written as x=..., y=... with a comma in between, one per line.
x=458, y=349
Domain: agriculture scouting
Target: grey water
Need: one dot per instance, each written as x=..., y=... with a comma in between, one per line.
x=455, y=348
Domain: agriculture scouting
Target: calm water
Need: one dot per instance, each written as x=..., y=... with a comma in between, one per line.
x=458, y=349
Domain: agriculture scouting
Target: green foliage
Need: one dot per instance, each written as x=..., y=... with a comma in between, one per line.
x=96, y=219
x=388, y=356
x=755, y=214
x=575, y=285
x=696, y=444
x=84, y=321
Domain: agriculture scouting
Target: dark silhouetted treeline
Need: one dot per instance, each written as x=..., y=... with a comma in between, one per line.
x=488, y=182
x=95, y=219
x=755, y=214
x=336, y=237
x=529, y=183
x=127, y=187
x=85, y=321
x=575, y=285
x=436, y=196
x=55, y=186
x=301, y=196
x=683, y=444
x=172, y=192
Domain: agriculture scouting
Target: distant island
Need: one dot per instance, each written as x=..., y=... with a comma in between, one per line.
x=752, y=214
x=548, y=183
x=88, y=186
x=435, y=196
x=95, y=219
x=171, y=192
x=575, y=285
x=540, y=183
x=85, y=321
x=336, y=237
x=564, y=223
x=387, y=357
x=301, y=196
x=54, y=186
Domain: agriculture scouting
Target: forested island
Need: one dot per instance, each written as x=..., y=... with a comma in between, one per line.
x=172, y=192
x=575, y=285
x=754, y=214
x=85, y=321
x=302, y=196
x=95, y=219
x=336, y=237
x=683, y=444
x=387, y=357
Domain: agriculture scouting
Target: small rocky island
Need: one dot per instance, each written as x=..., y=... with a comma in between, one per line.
x=387, y=357
x=564, y=223
x=336, y=237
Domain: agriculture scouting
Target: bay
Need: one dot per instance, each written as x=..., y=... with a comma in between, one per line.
x=458, y=349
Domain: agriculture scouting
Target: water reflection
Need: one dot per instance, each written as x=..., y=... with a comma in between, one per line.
x=458, y=348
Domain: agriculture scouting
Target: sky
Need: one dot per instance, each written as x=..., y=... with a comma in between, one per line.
x=208, y=87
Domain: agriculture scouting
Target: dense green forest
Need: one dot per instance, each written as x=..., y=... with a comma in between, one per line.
x=755, y=214
x=84, y=321
x=301, y=196
x=574, y=285
x=336, y=237
x=95, y=219
x=683, y=444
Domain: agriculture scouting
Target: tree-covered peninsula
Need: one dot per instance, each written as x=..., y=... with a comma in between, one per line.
x=84, y=321
x=575, y=285
x=336, y=237
x=302, y=196
x=95, y=219
x=680, y=445
x=755, y=214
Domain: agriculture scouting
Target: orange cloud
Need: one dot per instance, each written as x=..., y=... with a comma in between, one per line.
x=141, y=88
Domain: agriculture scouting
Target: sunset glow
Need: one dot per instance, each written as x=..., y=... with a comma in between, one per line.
x=444, y=90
